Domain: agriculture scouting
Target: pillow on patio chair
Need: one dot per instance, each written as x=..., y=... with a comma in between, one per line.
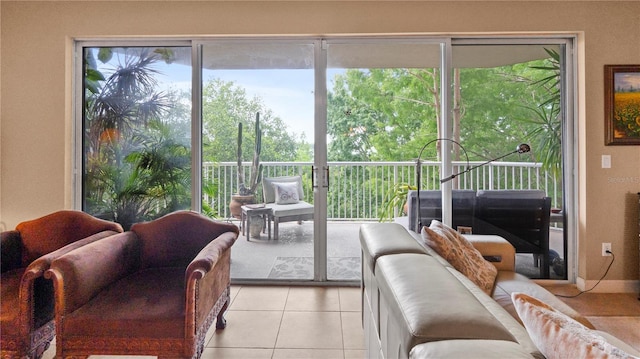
x=286, y=192
x=269, y=192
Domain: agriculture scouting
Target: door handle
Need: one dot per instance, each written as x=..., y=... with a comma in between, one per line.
x=314, y=177
x=326, y=177
x=314, y=174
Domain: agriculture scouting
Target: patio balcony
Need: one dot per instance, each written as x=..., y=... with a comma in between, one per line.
x=357, y=189
x=291, y=257
x=356, y=194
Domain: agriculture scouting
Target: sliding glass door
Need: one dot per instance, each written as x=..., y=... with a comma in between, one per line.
x=506, y=94
x=354, y=123
x=258, y=131
x=383, y=104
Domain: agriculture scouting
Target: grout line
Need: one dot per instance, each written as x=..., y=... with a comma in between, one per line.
x=273, y=351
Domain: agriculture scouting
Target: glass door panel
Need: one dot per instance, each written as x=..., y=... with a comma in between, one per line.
x=136, y=142
x=504, y=96
x=270, y=82
x=383, y=105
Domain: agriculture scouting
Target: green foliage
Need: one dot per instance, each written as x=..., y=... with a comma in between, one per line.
x=380, y=114
x=493, y=100
x=151, y=181
x=224, y=106
x=548, y=131
x=210, y=191
x=137, y=154
x=394, y=200
x=388, y=114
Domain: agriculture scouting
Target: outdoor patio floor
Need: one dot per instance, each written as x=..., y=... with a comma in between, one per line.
x=290, y=257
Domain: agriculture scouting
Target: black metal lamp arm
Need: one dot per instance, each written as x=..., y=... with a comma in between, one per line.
x=522, y=148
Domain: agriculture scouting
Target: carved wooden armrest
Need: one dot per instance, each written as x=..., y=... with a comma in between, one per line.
x=207, y=280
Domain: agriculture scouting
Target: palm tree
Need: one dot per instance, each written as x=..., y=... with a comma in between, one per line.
x=548, y=132
x=134, y=168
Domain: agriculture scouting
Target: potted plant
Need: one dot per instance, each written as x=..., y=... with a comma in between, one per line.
x=246, y=191
x=395, y=201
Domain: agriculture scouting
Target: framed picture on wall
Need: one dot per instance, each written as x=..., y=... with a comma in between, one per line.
x=622, y=104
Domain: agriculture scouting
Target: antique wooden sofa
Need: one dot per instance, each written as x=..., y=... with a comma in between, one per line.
x=153, y=290
x=27, y=297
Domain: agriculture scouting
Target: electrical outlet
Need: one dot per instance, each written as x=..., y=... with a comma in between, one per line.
x=606, y=247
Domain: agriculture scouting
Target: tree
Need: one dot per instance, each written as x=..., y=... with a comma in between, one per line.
x=224, y=106
x=493, y=100
x=548, y=131
x=381, y=114
x=389, y=114
x=137, y=157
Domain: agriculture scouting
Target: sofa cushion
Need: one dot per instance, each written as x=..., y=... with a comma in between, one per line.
x=512, y=193
x=429, y=304
x=379, y=239
x=477, y=349
x=175, y=239
x=152, y=296
x=457, y=250
x=500, y=314
x=286, y=192
x=558, y=336
x=296, y=209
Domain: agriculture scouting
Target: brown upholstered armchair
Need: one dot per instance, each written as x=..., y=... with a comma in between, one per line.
x=153, y=290
x=27, y=297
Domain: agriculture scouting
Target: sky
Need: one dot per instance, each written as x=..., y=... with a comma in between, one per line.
x=627, y=80
x=288, y=93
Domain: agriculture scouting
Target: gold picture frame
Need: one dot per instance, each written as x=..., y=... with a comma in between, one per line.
x=622, y=104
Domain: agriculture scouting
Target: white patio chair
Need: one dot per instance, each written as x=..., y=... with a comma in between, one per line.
x=285, y=197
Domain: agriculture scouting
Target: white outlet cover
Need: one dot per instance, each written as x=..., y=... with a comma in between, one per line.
x=606, y=247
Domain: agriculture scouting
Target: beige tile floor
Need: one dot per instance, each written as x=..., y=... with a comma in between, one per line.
x=615, y=313
x=290, y=322
x=281, y=322
x=286, y=322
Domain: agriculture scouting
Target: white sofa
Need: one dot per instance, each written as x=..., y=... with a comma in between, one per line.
x=416, y=305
